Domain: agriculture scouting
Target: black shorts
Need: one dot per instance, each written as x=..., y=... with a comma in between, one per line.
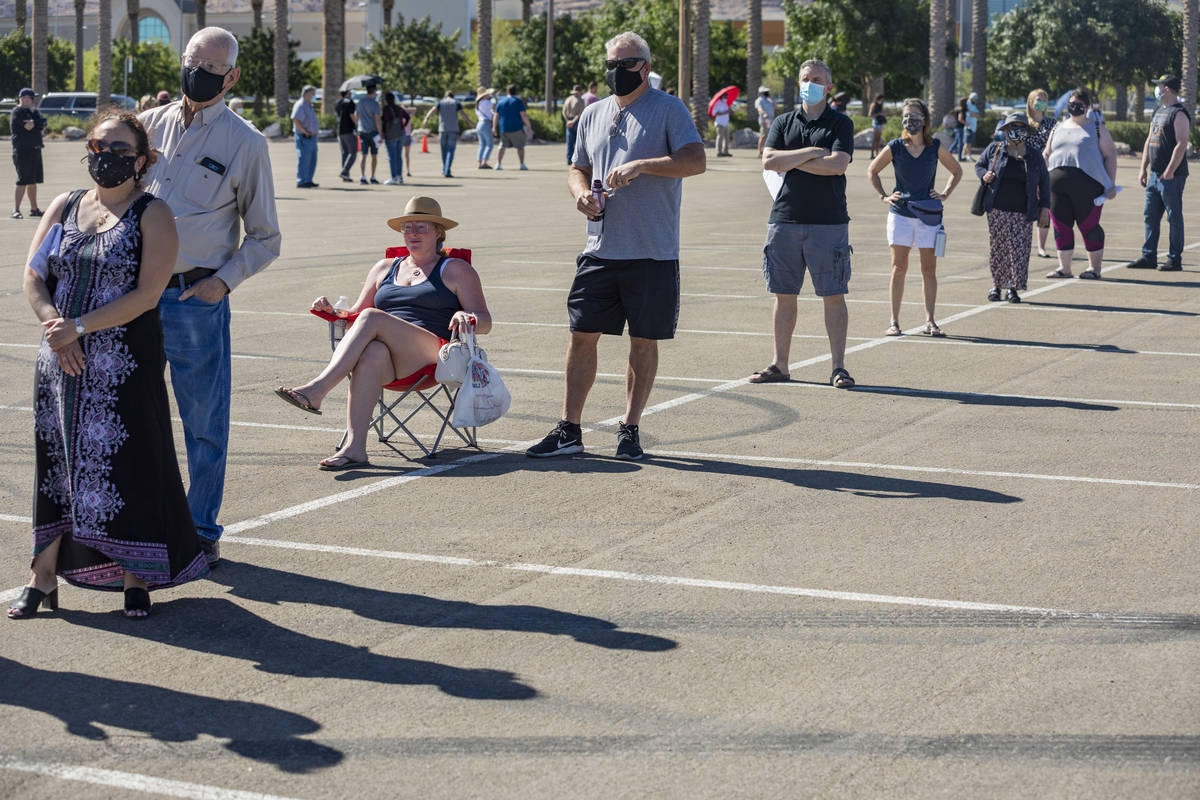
x=28, y=162
x=607, y=293
x=366, y=143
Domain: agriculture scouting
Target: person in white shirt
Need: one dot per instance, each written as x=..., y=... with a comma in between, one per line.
x=765, y=107
x=721, y=119
x=485, y=108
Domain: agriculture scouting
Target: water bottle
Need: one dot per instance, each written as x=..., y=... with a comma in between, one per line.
x=939, y=243
x=341, y=308
x=598, y=194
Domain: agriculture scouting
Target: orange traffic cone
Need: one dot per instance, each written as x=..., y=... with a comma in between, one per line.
x=425, y=143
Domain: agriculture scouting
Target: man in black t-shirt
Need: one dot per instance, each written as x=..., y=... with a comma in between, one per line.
x=1163, y=173
x=26, y=125
x=347, y=137
x=808, y=229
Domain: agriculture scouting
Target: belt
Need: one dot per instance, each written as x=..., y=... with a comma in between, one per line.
x=185, y=279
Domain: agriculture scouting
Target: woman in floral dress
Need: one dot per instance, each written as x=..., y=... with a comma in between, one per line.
x=110, y=511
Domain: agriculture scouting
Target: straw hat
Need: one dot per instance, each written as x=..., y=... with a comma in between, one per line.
x=421, y=209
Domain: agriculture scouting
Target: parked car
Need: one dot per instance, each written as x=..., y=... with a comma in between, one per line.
x=79, y=104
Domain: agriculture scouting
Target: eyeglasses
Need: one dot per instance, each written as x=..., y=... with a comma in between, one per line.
x=420, y=228
x=117, y=148
x=215, y=67
x=623, y=63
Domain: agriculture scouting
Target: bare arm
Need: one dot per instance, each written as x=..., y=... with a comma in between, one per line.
x=1182, y=130
x=829, y=164
x=579, y=184
x=525, y=119
x=784, y=160
x=951, y=163
x=874, y=168
x=462, y=279
x=1108, y=151
x=683, y=163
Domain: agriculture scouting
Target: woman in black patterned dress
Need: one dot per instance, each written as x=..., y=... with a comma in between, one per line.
x=109, y=507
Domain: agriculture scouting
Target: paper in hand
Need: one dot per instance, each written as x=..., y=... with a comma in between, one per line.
x=40, y=263
x=774, y=181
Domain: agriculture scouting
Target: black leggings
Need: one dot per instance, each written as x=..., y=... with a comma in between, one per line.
x=1072, y=202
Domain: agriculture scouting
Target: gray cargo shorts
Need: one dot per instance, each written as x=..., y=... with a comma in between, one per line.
x=824, y=250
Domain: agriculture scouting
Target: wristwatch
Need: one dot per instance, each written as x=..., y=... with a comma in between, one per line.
x=79, y=326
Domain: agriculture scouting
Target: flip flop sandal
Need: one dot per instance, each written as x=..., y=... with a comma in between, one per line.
x=1058, y=273
x=1090, y=275
x=894, y=330
x=840, y=379
x=347, y=463
x=932, y=329
x=296, y=399
x=771, y=374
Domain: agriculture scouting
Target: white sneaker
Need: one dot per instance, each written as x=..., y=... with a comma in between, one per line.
x=391, y=182
x=499, y=167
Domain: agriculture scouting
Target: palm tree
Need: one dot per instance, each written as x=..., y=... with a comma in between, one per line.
x=256, y=7
x=202, y=12
x=388, y=5
x=132, y=9
x=685, y=52
x=979, y=65
x=104, y=61
x=79, y=5
x=334, y=53
x=281, y=59
x=939, y=93
x=700, y=65
x=483, y=43
x=526, y=7
x=550, y=57
x=1191, y=20
x=19, y=13
x=753, y=47
x=40, y=80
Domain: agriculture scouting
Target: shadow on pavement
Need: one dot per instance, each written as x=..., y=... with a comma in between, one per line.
x=1120, y=309
x=979, y=399
x=84, y=702
x=267, y=585
x=835, y=481
x=1145, y=282
x=1098, y=348
x=219, y=627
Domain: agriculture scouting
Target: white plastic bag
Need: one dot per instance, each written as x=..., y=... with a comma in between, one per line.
x=483, y=397
x=455, y=355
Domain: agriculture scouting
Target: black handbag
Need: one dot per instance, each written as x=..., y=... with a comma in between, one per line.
x=977, y=202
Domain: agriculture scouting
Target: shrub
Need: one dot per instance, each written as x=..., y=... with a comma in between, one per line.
x=549, y=127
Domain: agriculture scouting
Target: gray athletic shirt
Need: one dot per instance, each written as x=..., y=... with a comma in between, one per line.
x=641, y=220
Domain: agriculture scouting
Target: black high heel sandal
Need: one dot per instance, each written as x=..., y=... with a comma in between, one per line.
x=27, y=604
x=137, y=599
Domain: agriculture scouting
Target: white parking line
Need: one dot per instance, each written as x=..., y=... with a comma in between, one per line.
x=131, y=781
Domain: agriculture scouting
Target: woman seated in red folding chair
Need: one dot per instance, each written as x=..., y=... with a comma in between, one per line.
x=409, y=308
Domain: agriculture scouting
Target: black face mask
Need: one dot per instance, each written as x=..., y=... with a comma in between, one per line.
x=1076, y=109
x=622, y=81
x=199, y=85
x=109, y=169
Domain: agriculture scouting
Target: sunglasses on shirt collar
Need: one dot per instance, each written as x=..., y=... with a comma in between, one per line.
x=623, y=63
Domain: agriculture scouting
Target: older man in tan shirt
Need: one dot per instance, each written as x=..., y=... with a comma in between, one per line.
x=215, y=174
x=573, y=107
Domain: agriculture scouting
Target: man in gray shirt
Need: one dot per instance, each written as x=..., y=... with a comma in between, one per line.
x=638, y=143
x=368, y=117
x=449, y=110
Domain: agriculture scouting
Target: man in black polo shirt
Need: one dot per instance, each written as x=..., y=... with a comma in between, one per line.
x=1164, y=171
x=809, y=228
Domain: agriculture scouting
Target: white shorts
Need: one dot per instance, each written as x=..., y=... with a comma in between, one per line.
x=909, y=232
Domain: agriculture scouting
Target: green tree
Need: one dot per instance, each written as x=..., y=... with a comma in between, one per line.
x=16, y=58
x=656, y=21
x=1058, y=44
x=573, y=63
x=155, y=67
x=727, y=58
x=860, y=40
x=417, y=58
x=256, y=57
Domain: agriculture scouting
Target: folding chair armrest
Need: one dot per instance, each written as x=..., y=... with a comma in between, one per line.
x=325, y=315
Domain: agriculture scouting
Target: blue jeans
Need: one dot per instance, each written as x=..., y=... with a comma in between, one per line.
x=959, y=138
x=196, y=342
x=571, y=134
x=486, y=140
x=306, y=158
x=1164, y=196
x=395, y=156
x=448, y=141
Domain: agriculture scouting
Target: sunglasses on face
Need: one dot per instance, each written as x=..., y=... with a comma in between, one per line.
x=215, y=67
x=623, y=63
x=117, y=148
x=420, y=228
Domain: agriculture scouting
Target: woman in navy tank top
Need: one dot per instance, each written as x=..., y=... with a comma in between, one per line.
x=409, y=308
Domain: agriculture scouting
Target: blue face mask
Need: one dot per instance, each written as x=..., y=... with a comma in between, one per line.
x=811, y=93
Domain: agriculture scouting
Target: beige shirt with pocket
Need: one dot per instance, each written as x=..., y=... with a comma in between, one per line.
x=216, y=177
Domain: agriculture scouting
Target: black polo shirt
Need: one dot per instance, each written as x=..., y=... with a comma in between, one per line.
x=805, y=198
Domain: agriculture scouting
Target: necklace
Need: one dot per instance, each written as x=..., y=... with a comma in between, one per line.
x=103, y=213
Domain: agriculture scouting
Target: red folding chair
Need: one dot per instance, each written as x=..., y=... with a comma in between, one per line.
x=421, y=386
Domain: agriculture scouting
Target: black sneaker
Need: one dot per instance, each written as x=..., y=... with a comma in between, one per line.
x=994, y=294
x=628, y=446
x=1145, y=262
x=1012, y=296
x=565, y=439
x=211, y=550
x=1172, y=265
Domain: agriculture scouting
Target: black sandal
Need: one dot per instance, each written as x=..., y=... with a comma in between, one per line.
x=771, y=374
x=137, y=599
x=30, y=600
x=840, y=379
